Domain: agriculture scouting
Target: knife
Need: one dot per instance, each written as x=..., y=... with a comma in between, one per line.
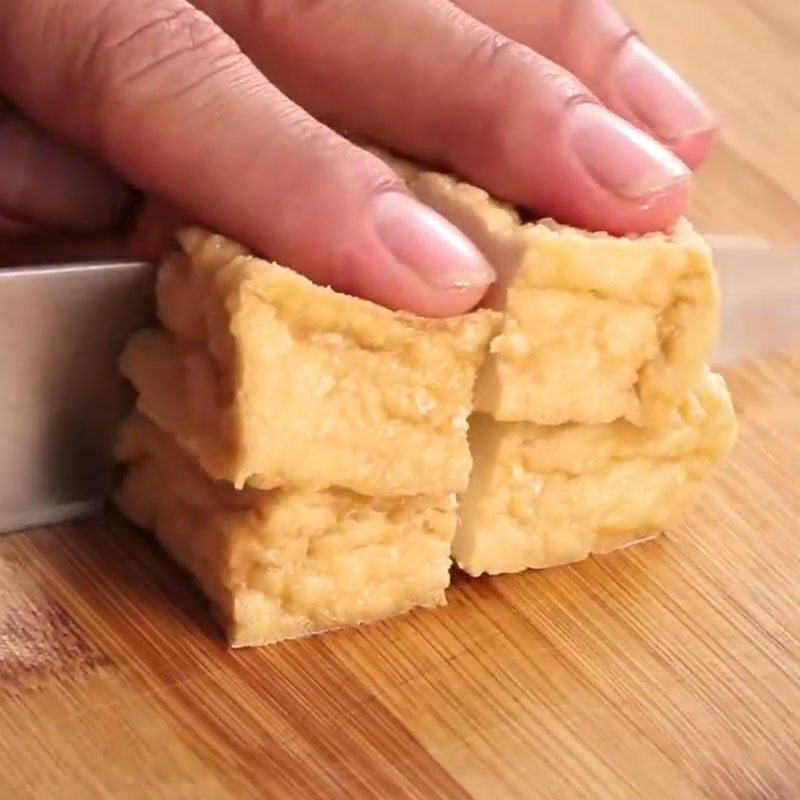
x=61, y=396
x=760, y=297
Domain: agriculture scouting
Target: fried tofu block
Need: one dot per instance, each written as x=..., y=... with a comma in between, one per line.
x=284, y=563
x=597, y=328
x=542, y=496
x=269, y=380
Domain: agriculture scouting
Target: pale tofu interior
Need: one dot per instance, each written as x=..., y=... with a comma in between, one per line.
x=286, y=563
x=269, y=380
x=540, y=496
x=564, y=342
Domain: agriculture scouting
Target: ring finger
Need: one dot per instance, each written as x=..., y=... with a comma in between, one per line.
x=592, y=40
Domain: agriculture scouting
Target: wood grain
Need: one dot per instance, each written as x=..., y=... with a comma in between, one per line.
x=670, y=671
x=665, y=671
x=744, y=57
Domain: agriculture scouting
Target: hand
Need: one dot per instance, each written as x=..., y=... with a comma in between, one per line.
x=163, y=96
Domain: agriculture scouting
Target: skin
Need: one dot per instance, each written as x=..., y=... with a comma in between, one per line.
x=228, y=110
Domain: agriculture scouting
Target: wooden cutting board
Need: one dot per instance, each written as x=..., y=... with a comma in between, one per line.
x=670, y=671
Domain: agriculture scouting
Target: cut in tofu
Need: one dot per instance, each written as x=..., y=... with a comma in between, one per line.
x=269, y=380
x=285, y=563
x=543, y=496
x=597, y=328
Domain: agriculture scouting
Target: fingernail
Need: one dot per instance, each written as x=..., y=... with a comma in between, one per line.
x=658, y=97
x=428, y=244
x=621, y=158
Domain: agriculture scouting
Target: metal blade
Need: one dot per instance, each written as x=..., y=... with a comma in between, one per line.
x=61, y=396
x=760, y=290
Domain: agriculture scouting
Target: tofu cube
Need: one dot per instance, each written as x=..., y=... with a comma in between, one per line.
x=541, y=496
x=286, y=562
x=268, y=380
x=596, y=327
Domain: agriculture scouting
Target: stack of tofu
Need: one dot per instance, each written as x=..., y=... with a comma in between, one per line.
x=315, y=460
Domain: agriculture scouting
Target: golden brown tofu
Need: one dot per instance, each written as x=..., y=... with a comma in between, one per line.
x=541, y=496
x=269, y=380
x=597, y=327
x=286, y=563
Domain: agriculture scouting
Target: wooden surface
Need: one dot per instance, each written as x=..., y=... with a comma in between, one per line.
x=744, y=56
x=668, y=671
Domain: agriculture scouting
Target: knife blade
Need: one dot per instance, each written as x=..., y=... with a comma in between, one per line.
x=760, y=297
x=62, y=398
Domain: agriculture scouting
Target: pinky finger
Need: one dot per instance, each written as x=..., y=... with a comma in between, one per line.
x=47, y=186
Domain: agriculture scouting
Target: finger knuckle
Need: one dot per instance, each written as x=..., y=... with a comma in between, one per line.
x=592, y=31
x=498, y=63
x=161, y=50
x=495, y=90
x=489, y=50
x=288, y=10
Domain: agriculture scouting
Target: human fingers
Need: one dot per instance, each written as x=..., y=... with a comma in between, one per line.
x=595, y=43
x=433, y=82
x=47, y=186
x=159, y=92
